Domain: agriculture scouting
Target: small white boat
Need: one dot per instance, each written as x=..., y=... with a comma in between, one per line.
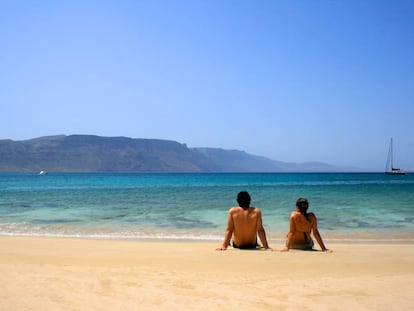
x=42, y=173
x=389, y=168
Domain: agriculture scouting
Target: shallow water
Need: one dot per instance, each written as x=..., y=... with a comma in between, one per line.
x=194, y=206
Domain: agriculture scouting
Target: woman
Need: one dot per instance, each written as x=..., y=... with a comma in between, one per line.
x=302, y=224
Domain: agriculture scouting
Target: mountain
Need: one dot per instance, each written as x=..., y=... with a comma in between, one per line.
x=88, y=153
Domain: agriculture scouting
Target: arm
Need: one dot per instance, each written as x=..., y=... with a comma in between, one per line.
x=292, y=229
x=316, y=233
x=229, y=232
x=260, y=230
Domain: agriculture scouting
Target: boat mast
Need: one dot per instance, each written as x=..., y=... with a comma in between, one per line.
x=389, y=166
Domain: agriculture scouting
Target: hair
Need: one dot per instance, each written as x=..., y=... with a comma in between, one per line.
x=243, y=198
x=303, y=204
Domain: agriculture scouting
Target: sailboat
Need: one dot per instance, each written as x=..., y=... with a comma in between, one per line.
x=389, y=168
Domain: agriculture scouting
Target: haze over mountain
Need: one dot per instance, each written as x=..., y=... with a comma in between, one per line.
x=89, y=153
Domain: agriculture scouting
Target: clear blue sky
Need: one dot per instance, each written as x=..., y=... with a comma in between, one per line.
x=295, y=81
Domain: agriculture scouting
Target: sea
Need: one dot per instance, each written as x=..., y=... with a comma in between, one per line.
x=360, y=207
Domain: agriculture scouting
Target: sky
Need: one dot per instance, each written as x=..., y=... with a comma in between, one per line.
x=294, y=81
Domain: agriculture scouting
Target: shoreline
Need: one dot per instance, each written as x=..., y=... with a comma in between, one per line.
x=202, y=239
x=40, y=273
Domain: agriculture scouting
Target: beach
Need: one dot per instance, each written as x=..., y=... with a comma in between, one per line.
x=41, y=273
x=148, y=242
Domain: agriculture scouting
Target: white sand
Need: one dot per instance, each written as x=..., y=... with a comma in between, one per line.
x=77, y=274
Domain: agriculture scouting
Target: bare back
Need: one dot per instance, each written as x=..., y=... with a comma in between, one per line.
x=301, y=223
x=246, y=222
x=300, y=228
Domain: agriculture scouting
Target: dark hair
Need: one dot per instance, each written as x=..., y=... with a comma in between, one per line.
x=243, y=198
x=303, y=205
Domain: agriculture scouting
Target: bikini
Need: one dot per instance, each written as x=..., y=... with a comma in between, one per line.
x=308, y=245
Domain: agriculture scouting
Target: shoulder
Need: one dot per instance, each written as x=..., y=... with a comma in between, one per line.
x=294, y=214
x=311, y=216
x=234, y=209
x=256, y=210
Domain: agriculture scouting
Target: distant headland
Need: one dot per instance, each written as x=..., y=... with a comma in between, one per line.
x=89, y=153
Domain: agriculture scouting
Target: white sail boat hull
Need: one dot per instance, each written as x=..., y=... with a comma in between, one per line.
x=396, y=171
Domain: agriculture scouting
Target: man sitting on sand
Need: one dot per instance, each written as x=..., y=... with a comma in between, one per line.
x=244, y=223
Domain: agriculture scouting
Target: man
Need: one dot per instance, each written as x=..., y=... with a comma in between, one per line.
x=244, y=223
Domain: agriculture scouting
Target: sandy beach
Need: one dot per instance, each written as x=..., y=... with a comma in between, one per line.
x=80, y=274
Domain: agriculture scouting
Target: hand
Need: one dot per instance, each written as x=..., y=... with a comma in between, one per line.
x=221, y=248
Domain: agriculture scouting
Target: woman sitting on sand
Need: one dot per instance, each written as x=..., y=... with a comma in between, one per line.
x=302, y=224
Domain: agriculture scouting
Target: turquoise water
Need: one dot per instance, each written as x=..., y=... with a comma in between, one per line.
x=194, y=206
